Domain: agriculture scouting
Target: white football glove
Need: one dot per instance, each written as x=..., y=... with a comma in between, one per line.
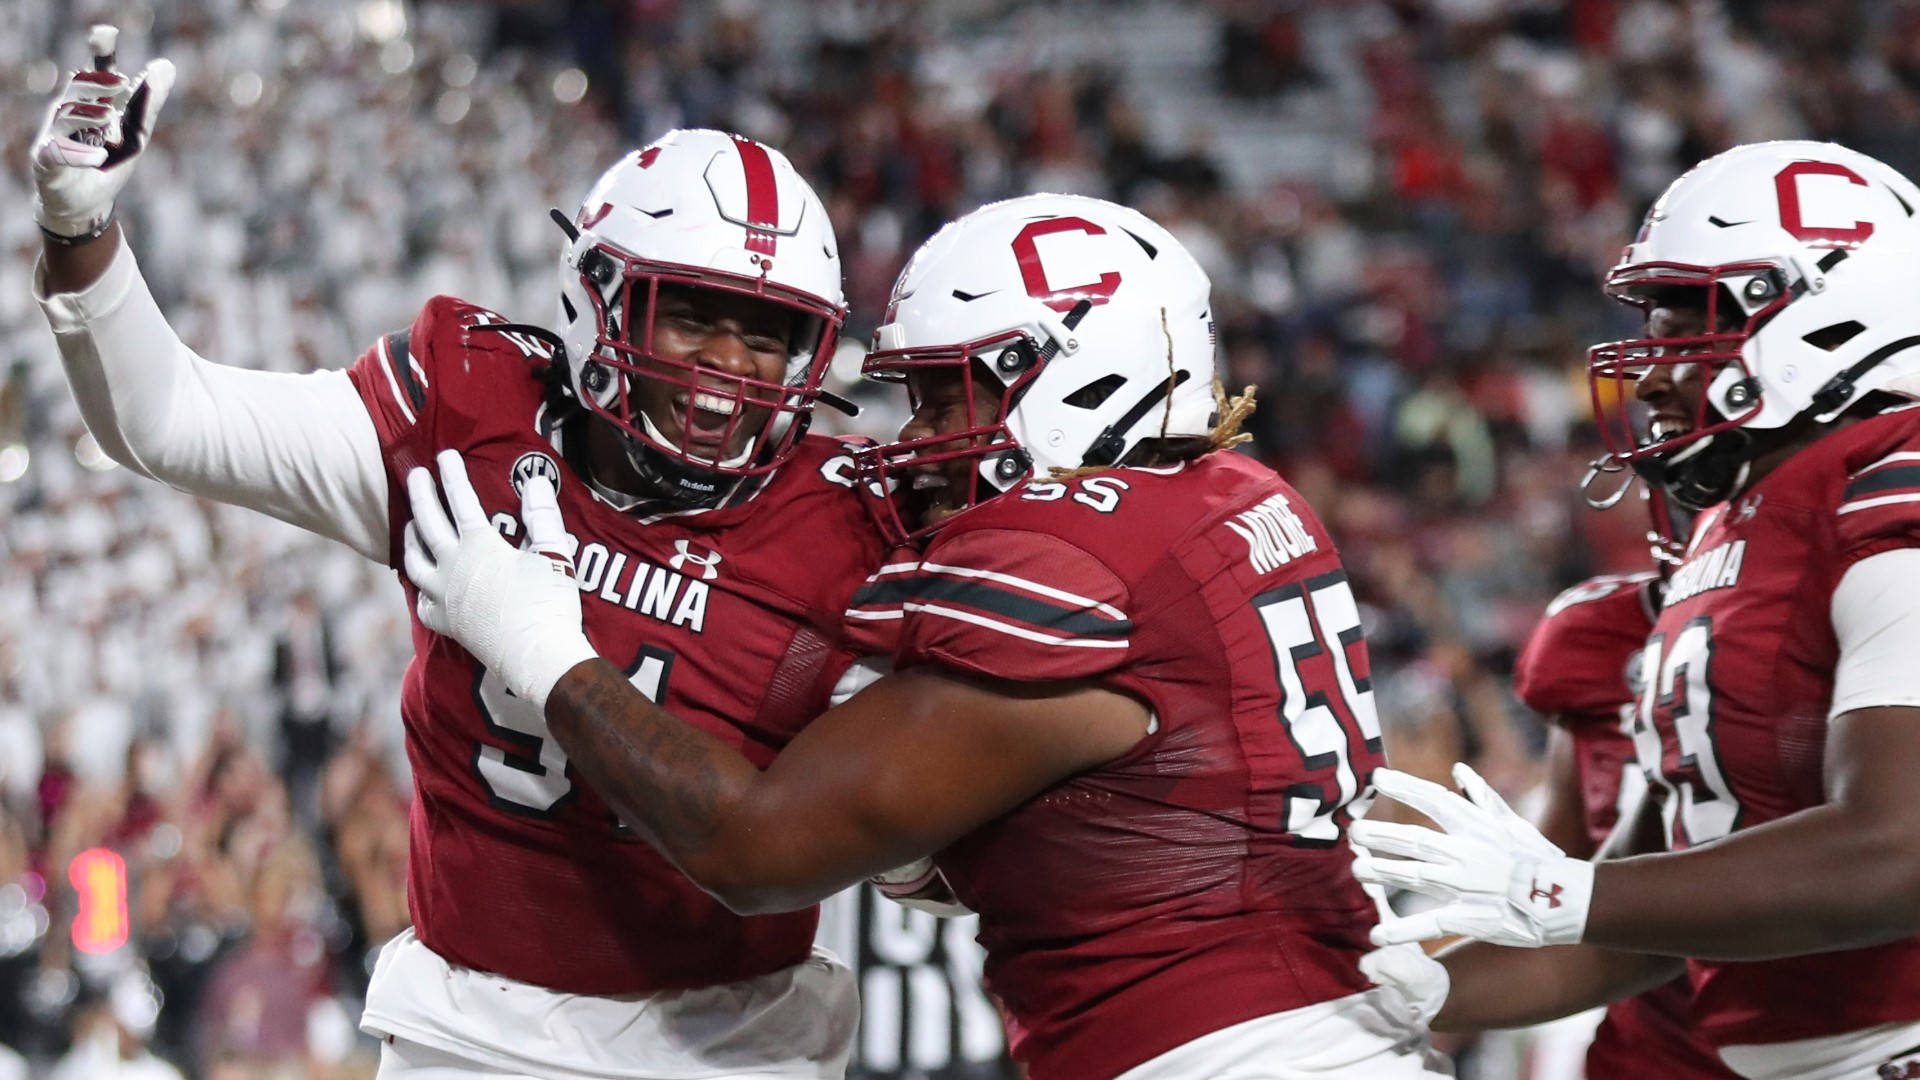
x=91, y=140
x=1412, y=985
x=517, y=612
x=921, y=886
x=1497, y=878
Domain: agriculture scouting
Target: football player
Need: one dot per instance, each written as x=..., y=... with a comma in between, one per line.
x=699, y=301
x=1579, y=669
x=1780, y=716
x=1130, y=709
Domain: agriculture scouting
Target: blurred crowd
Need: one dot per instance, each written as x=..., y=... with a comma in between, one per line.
x=1406, y=208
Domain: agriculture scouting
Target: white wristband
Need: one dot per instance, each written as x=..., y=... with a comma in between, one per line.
x=542, y=661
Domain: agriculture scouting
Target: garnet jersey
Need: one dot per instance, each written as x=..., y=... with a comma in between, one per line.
x=1733, y=719
x=731, y=617
x=1201, y=879
x=1576, y=669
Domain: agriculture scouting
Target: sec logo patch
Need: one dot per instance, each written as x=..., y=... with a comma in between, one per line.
x=531, y=464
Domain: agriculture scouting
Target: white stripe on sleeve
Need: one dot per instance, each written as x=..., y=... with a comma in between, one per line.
x=978, y=619
x=393, y=384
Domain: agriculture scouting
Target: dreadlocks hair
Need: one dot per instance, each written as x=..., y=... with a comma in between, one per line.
x=1233, y=412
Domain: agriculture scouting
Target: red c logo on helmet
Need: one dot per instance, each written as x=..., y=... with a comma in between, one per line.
x=1786, y=185
x=1035, y=276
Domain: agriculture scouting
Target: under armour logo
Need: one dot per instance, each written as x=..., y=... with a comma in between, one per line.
x=1551, y=896
x=1746, y=508
x=705, y=560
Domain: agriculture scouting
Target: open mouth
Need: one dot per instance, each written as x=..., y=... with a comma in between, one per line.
x=710, y=418
x=1662, y=428
x=932, y=497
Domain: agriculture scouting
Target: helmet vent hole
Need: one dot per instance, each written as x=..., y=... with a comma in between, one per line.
x=1831, y=259
x=1832, y=337
x=1152, y=252
x=566, y=306
x=1095, y=394
x=1903, y=203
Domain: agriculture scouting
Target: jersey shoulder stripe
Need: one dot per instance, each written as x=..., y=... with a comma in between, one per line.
x=1875, y=498
x=1894, y=478
x=407, y=397
x=407, y=366
x=998, y=601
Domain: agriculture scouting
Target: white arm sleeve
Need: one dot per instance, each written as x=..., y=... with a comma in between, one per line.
x=1876, y=618
x=299, y=447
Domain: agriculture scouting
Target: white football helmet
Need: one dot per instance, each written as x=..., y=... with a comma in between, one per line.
x=716, y=211
x=1802, y=255
x=1094, y=323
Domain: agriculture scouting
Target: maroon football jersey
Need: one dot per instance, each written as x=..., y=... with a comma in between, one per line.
x=1654, y=1035
x=515, y=867
x=1201, y=879
x=1739, y=677
x=1575, y=670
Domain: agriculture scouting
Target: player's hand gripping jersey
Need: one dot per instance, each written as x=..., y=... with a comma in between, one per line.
x=1740, y=684
x=1578, y=668
x=1201, y=879
x=731, y=616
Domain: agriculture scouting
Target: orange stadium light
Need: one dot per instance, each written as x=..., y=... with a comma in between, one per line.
x=100, y=878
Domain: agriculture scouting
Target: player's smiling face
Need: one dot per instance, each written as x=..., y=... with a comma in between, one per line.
x=942, y=405
x=1675, y=394
x=727, y=336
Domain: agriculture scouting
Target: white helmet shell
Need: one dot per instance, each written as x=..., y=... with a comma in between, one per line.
x=1838, y=231
x=709, y=209
x=1023, y=265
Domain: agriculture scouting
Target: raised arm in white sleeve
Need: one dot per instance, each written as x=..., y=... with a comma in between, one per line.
x=299, y=447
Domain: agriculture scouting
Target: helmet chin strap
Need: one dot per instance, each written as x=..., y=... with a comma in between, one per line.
x=683, y=484
x=1705, y=473
x=666, y=479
